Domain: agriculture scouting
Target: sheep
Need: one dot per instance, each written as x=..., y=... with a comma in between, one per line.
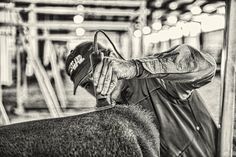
x=121, y=131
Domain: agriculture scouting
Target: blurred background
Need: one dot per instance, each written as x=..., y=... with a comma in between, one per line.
x=37, y=35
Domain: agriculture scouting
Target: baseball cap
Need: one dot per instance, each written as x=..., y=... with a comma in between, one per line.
x=78, y=65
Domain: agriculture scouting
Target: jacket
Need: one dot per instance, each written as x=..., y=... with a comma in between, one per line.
x=167, y=85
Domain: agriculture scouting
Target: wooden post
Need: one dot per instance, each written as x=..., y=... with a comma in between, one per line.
x=3, y=53
x=19, y=92
x=51, y=56
x=57, y=77
x=228, y=82
x=33, y=30
x=41, y=75
x=43, y=80
x=143, y=22
x=130, y=33
x=3, y=115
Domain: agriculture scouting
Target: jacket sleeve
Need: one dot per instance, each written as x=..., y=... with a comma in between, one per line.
x=179, y=70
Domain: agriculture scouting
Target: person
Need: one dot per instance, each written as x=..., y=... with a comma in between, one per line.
x=164, y=83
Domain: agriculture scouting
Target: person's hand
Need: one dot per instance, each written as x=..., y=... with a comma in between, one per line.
x=109, y=71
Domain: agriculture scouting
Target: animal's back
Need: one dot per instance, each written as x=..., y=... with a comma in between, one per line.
x=120, y=131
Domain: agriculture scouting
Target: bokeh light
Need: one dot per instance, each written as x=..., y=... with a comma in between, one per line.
x=78, y=19
x=80, y=31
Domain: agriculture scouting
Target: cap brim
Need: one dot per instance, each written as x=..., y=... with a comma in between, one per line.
x=79, y=78
x=75, y=87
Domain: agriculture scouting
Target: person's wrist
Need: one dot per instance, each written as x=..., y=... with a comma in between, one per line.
x=138, y=67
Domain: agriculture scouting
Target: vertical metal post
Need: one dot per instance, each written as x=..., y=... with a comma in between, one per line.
x=3, y=52
x=57, y=77
x=228, y=82
x=33, y=30
x=19, y=92
x=143, y=22
x=130, y=32
x=41, y=75
x=3, y=114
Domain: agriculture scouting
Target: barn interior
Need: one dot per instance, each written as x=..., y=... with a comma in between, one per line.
x=36, y=36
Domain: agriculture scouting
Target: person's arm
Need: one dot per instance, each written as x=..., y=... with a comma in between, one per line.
x=180, y=69
x=182, y=64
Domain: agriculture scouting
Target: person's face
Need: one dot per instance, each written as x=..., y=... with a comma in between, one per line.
x=87, y=84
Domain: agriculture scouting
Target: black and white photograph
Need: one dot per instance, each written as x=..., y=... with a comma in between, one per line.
x=117, y=78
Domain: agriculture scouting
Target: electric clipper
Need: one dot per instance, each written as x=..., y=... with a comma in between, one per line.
x=95, y=58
